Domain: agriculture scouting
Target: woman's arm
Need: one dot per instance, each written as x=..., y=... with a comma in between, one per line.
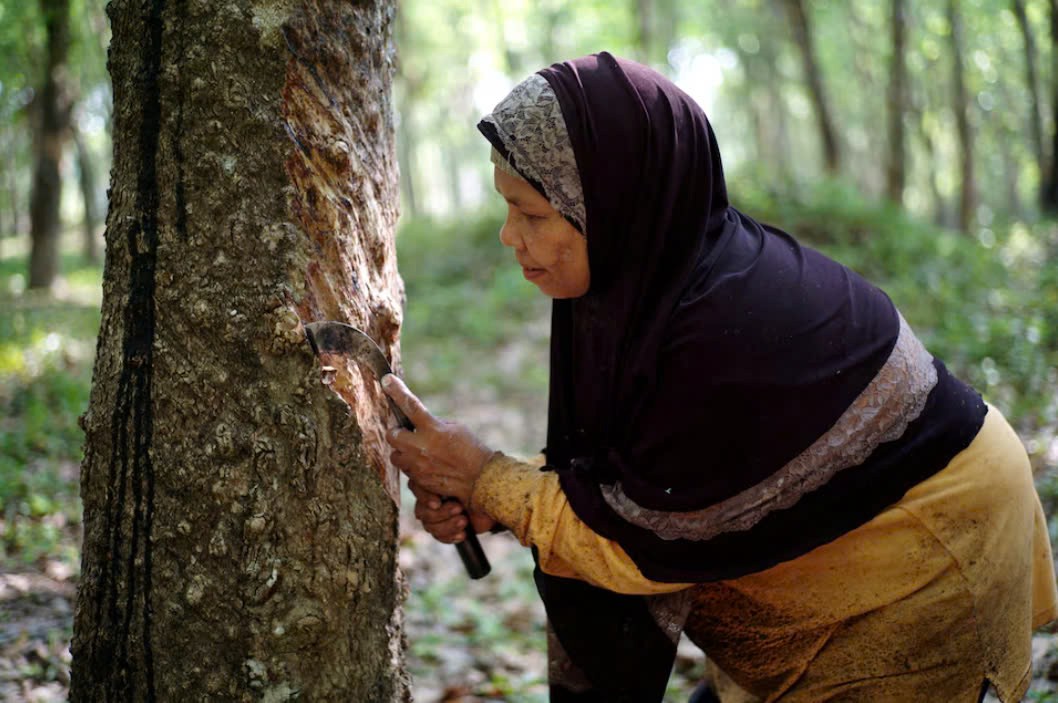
x=531, y=503
x=444, y=458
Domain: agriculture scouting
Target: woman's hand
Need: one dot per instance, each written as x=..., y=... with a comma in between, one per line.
x=446, y=521
x=440, y=458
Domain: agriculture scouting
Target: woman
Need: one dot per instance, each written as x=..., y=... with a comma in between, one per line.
x=746, y=442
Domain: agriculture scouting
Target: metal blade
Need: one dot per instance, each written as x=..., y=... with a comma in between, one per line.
x=340, y=338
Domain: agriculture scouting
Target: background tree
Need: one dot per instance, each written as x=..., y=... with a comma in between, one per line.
x=1050, y=180
x=1032, y=82
x=895, y=171
x=53, y=119
x=801, y=26
x=961, y=110
x=247, y=552
x=86, y=178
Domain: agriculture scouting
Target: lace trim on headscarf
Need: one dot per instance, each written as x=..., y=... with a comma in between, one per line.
x=529, y=123
x=881, y=413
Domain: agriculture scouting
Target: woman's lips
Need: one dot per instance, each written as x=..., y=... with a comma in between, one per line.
x=532, y=274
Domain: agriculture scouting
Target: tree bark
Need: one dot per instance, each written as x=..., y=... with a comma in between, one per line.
x=961, y=109
x=87, y=180
x=240, y=517
x=802, y=30
x=896, y=169
x=54, y=118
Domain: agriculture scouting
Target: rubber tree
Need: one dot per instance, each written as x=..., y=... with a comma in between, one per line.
x=240, y=516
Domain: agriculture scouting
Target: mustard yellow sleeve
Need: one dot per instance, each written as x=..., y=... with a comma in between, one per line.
x=531, y=503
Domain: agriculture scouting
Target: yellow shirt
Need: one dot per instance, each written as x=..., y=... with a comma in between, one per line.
x=920, y=603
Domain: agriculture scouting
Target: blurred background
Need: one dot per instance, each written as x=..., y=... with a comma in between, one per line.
x=914, y=140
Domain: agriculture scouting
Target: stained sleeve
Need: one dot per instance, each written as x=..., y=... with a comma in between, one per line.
x=531, y=504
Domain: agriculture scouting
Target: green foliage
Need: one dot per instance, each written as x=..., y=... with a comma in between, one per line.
x=465, y=296
x=46, y=353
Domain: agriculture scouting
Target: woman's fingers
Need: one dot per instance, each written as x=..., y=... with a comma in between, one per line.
x=433, y=516
x=424, y=496
x=445, y=524
x=406, y=401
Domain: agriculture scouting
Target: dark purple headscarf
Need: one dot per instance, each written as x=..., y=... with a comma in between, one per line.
x=710, y=350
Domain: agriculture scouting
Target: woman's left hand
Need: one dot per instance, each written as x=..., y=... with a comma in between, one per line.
x=441, y=456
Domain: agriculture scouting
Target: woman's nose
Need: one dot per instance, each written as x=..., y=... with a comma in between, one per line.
x=509, y=236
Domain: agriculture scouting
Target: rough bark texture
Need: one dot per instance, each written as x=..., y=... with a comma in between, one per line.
x=961, y=108
x=53, y=121
x=896, y=99
x=802, y=30
x=240, y=518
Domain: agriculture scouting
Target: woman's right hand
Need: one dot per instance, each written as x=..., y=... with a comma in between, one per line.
x=446, y=521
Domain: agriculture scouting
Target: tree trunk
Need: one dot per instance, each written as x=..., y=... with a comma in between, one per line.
x=961, y=108
x=1035, y=117
x=895, y=171
x=87, y=179
x=644, y=13
x=240, y=517
x=54, y=117
x=802, y=30
x=1050, y=180
x=9, y=224
x=406, y=154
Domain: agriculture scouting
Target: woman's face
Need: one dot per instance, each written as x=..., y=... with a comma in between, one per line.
x=553, y=254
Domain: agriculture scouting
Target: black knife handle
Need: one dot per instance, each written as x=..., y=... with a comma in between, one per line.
x=470, y=551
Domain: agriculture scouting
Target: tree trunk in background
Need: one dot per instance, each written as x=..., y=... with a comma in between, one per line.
x=896, y=98
x=240, y=518
x=450, y=164
x=405, y=151
x=87, y=179
x=1031, y=80
x=644, y=14
x=961, y=108
x=918, y=110
x=779, y=118
x=53, y=121
x=9, y=224
x=510, y=59
x=802, y=30
x=1050, y=180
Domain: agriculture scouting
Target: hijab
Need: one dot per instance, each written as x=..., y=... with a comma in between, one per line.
x=710, y=351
